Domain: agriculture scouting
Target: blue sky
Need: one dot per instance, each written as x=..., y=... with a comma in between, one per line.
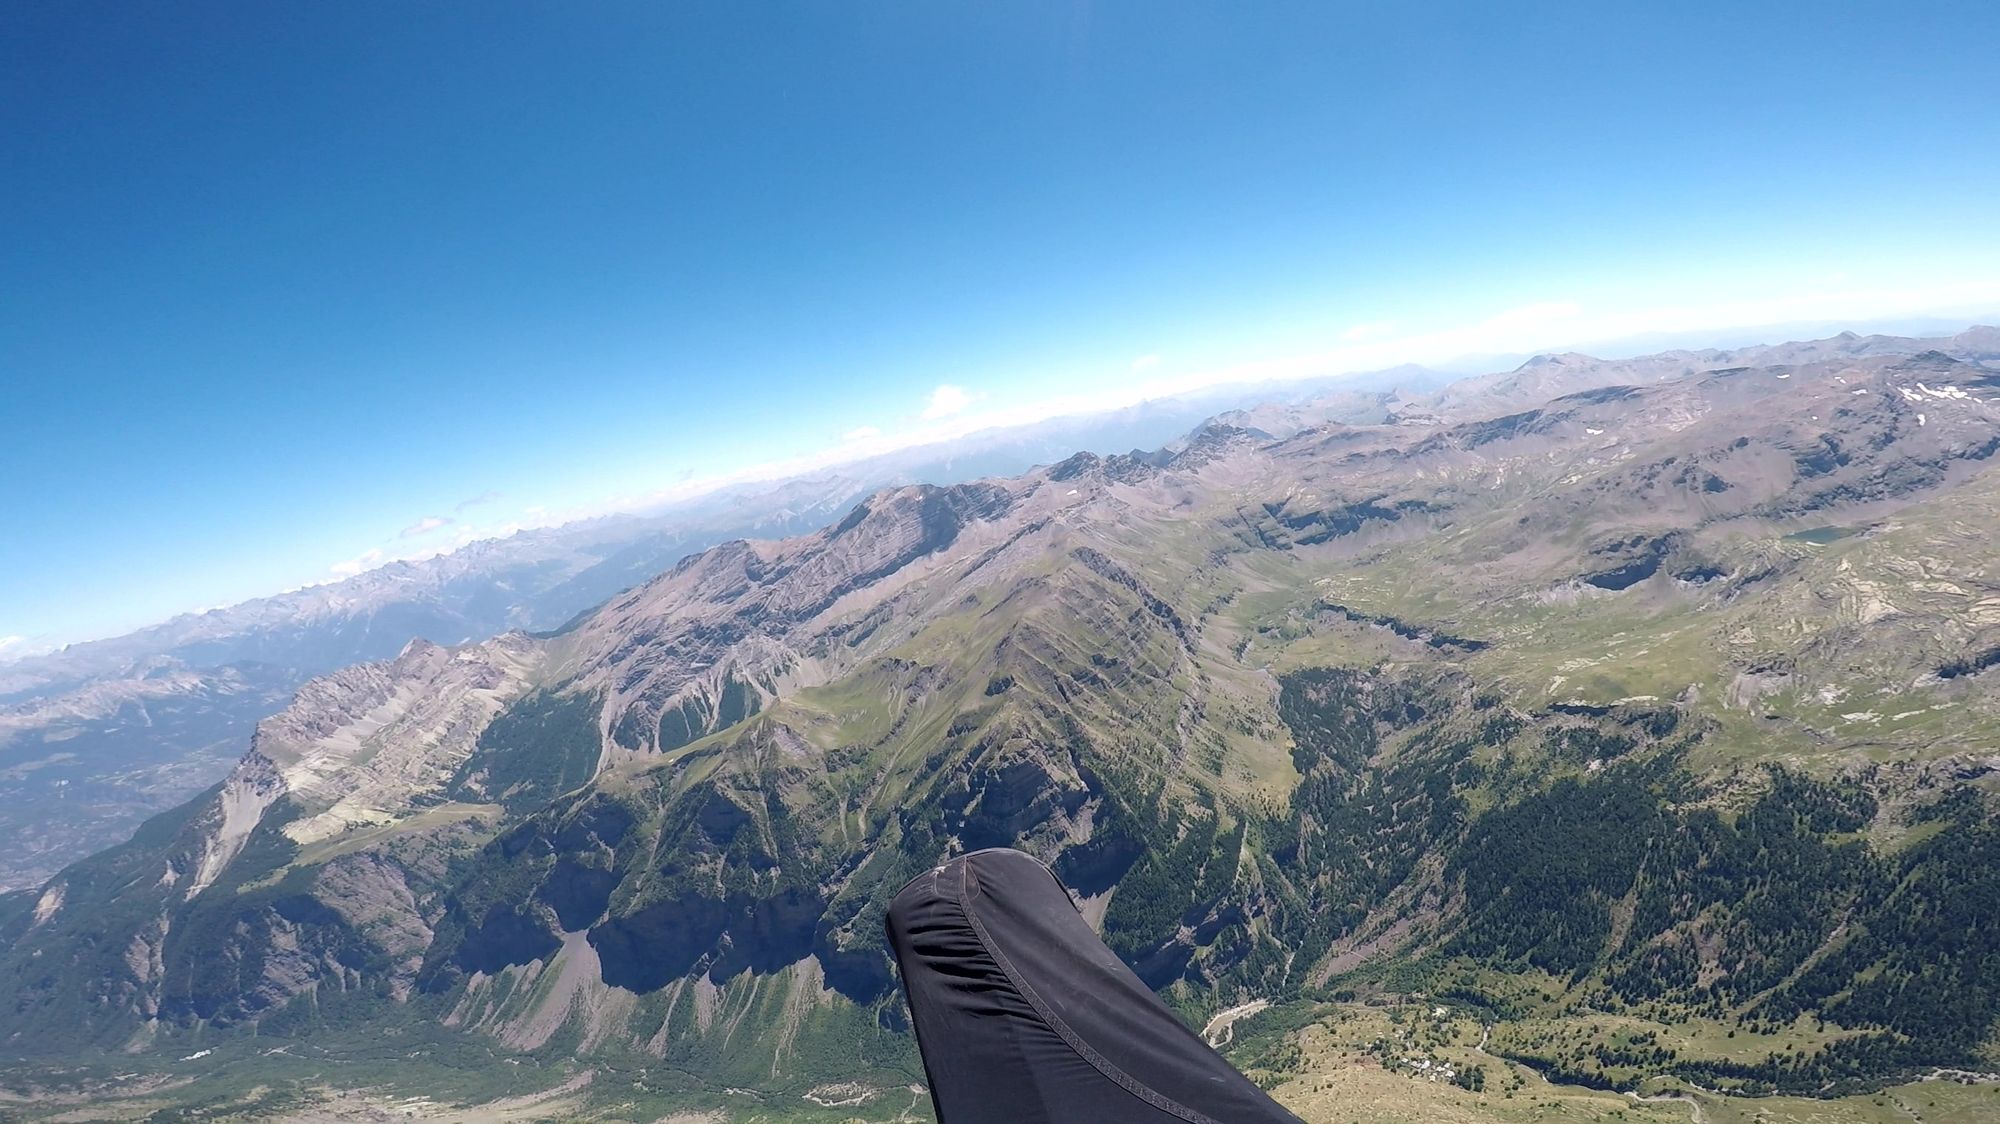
x=284, y=281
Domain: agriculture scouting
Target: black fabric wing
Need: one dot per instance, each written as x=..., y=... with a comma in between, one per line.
x=1025, y=1017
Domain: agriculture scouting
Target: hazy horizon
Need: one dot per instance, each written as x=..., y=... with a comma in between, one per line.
x=297, y=291
x=969, y=425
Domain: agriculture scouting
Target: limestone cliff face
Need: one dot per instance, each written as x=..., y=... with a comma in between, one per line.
x=225, y=910
x=728, y=630
x=368, y=746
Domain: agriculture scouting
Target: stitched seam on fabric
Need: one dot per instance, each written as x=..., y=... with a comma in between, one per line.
x=1083, y=1049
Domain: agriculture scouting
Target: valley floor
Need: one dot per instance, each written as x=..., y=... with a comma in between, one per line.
x=1342, y=1078
x=1348, y=1063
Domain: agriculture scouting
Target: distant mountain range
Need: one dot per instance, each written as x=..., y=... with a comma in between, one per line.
x=1650, y=693
x=97, y=736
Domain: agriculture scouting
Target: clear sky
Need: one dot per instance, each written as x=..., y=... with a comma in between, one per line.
x=283, y=283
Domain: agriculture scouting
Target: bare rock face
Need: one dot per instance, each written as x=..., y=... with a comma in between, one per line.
x=709, y=643
x=233, y=924
x=253, y=786
x=373, y=896
x=366, y=751
x=1013, y=790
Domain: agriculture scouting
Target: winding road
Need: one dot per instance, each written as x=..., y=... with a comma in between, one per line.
x=1221, y=1030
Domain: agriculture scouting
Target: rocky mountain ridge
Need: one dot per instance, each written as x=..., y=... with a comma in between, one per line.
x=1413, y=697
x=109, y=731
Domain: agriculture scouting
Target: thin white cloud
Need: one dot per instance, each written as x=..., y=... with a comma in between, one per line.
x=861, y=433
x=1544, y=315
x=366, y=560
x=425, y=526
x=24, y=647
x=945, y=401
x=1373, y=329
x=475, y=501
x=1145, y=362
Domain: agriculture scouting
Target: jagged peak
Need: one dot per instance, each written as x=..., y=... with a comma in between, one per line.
x=1556, y=359
x=1936, y=362
x=1211, y=440
x=1074, y=466
x=417, y=648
